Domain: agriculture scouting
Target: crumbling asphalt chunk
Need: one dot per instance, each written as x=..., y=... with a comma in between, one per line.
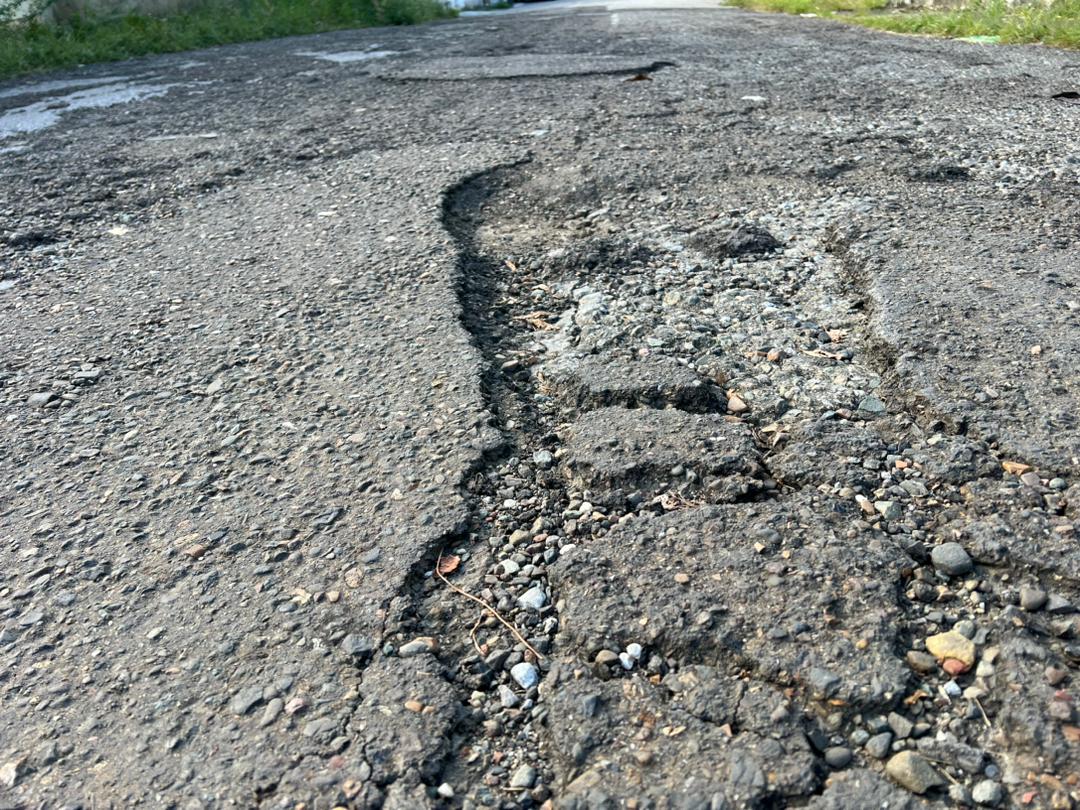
x=614, y=453
x=610, y=737
x=824, y=452
x=747, y=239
x=777, y=593
x=654, y=382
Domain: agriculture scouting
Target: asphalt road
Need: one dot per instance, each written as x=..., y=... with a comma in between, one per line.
x=725, y=365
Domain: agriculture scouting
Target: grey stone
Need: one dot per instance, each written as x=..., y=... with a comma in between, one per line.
x=1058, y=605
x=31, y=617
x=912, y=771
x=357, y=646
x=525, y=674
x=890, y=510
x=987, y=793
x=533, y=599
x=1032, y=599
x=320, y=727
x=951, y=559
x=872, y=406
x=507, y=697
x=900, y=725
x=523, y=778
x=838, y=756
x=41, y=399
x=244, y=700
x=878, y=745
x=823, y=683
x=418, y=646
x=271, y=712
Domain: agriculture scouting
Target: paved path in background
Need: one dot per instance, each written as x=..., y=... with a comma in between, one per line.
x=731, y=360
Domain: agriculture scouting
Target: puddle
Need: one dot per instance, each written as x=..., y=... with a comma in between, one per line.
x=61, y=84
x=343, y=57
x=47, y=113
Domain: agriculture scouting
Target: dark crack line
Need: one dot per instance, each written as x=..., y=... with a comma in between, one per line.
x=644, y=70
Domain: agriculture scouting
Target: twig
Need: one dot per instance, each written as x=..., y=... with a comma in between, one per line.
x=472, y=636
x=486, y=606
x=983, y=712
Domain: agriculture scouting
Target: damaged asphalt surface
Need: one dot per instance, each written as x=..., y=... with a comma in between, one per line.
x=731, y=359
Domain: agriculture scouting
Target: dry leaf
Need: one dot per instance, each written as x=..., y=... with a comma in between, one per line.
x=822, y=353
x=639, y=77
x=1015, y=467
x=448, y=565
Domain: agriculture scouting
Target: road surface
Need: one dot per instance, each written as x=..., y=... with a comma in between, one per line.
x=640, y=405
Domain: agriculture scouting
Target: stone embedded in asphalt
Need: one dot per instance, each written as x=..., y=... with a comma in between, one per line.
x=523, y=778
x=244, y=700
x=952, y=646
x=890, y=510
x=1032, y=599
x=533, y=599
x=987, y=793
x=878, y=745
x=507, y=697
x=357, y=646
x=1058, y=605
x=40, y=399
x=823, y=683
x=901, y=726
x=525, y=674
x=871, y=406
x=951, y=559
x=418, y=646
x=921, y=662
x=838, y=756
x=914, y=772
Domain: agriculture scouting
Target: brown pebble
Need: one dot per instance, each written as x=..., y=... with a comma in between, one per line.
x=682, y=578
x=1055, y=675
x=954, y=666
x=414, y=705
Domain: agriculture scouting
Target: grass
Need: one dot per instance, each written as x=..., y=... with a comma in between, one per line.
x=82, y=39
x=1051, y=23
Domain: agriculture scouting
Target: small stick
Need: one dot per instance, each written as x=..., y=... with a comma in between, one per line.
x=472, y=635
x=486, y=606
x=983, y=711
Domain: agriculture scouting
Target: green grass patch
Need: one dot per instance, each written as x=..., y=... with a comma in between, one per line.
x=1054, y=23
x=81, y=39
